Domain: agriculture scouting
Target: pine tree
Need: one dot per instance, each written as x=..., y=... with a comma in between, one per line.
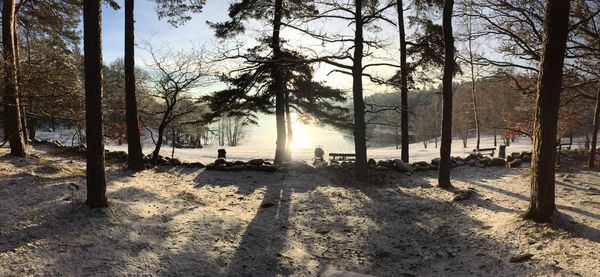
x=446, y=146
x=92, y=46
x=13, y=129
x=543, y=160
x=134, y=147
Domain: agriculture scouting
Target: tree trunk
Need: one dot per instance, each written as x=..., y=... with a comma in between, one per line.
x=473, y=87
x=134, y=147
x=446, y=147
x=592, y=157
x=92, y=33
x=495, y=137
x=32, y=126
x=556, y=24
x=173, y=148
x=20, y=96
x=12, y=120
x=278, y=85
x=290, y=131
x=403, y=84
x=360, y=141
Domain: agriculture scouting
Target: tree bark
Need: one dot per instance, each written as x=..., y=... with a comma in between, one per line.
x=95, y=174
x=278, y=86
x=290, y=131
x=134, y=147
x=360, y=141
x=446, y=147
x=12, y=120
x=592, y=157
x=473, y=86
x=403, y=84
x=556, y=24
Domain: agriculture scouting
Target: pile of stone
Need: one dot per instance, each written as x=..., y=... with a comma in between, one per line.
x=516, y=159
x=221, y=164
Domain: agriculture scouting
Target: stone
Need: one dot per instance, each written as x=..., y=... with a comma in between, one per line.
x=401, y=166
x=435, y=161
x=526, y=158
x=220, y=161
x=371, y=162
x=498, y=162
x=175, y=162
x=516, y=155
x=485, y=161
x=210, y=166
x=520, y=258
x=515, y=163
x=256, y=162
x=197, y=164
x=239, y=163
x=235, y=168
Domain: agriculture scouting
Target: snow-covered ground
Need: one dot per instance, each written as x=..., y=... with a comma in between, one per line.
x=258, y=147
x=180, y=221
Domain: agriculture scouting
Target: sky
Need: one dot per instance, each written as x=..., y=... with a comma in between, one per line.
x=196, y=32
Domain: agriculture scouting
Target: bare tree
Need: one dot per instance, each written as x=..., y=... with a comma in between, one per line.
x=175, y=75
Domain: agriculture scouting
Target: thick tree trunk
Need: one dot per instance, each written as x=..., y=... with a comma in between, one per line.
x=92, y=33
x=403, y=84
x=290, y=131
x=446, y=147
x=360, y=141
x=592, y=157
x=12, y=120
x=134, y=146
x=556, y=24
x=278, y=85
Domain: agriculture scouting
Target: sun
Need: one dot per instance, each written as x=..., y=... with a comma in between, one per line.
x=300, y=140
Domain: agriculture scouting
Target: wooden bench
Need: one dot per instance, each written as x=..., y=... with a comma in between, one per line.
x=485, y=151
x=342, y=156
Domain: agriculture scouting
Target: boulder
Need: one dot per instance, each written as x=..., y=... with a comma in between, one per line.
x=515, y=163
x=256, y=162
x=197, y=165
x=401, y=166
x=435, y=161
x=485, y=161
x=210, y=166
x=387, y=163
x=175, y=162
x=526, y=158
x=498, y=162
x=239, y=163
x=234, y=168
x=371, y=162
x=220, y=161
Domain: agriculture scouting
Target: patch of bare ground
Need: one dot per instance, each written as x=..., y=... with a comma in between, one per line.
x=182, y=221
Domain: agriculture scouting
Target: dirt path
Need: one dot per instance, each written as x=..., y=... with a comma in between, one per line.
x=179, y=221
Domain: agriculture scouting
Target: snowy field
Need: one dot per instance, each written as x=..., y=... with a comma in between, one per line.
x=331, y=140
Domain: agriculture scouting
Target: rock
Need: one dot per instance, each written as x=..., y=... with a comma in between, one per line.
x=239, y=163
x=526, y=158
x=371, y=162
x=401, y=166
x=422, y=164
x=510, y=158
x=175, y=162
x=471, y=162
x=235, y=168
x=210, y=166
x=520, y=258
x=256, y=162
x=382, y=168
x=220, y=167
x=459, y=163
x=266, y=168
x=387, y=163
x=335, y=273
x=463, y=195
x=515, y=155
x=299, y=167
x=435, y=161
x=485, y=161
x=515, y=163
x=197, y=164
x=323, y=230
x=498, y=162
x=220, y=161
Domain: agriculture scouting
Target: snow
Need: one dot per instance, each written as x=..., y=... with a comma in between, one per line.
x=168, y=221
x=257, y=147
